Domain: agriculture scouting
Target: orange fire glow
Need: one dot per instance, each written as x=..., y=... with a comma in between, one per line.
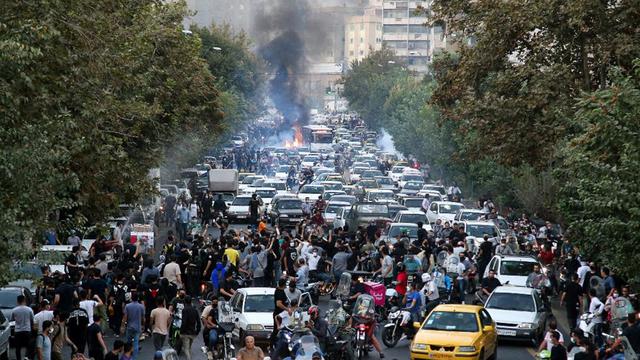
x=297, y=139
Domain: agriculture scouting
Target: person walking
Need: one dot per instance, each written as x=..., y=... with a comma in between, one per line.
x=43, y=342
x=190, y=326
x=95, y=339
x=22, y=315
x=59, y=336
x=77, y=324
x=134, y=322
x=160, y=322
x=572, y=298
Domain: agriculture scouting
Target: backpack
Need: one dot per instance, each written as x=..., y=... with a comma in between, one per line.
x=120, y=293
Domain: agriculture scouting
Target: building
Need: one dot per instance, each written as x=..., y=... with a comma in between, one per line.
x=237, y=13
x=363, y=34
x=319, y=84
x=406, y=31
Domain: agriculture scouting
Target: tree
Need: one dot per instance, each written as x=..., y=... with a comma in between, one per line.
x=90, y=94
x=600, y=195
x=512, y=86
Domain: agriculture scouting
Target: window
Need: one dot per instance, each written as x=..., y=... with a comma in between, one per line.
x=361, y=26
x=351, y=41
x=418, y=29
x=494, y=265
x=361, y=40
x=361, y=52
x=350, y=53
x=433, y=208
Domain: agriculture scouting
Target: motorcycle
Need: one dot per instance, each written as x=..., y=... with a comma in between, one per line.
x=362, y=320
x=228, y=349
x=305, y=347
x=289, y=335
x=343, y=289
x=399, y=324
x=587, y=325
x=338, y=346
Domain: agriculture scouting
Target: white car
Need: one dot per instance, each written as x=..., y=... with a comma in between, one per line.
x=247, y=181
x=433, y=195
x=476, y=230
x=396, y=172
x=519, y=312
x=412, y=203
x=266, y=194
x=514, y=269
x=381, y=196
x=279, y=185
x=412, y=216
x=386, y=183
x=282, y=172
x=310, y=191
x=239, y=209
x=396, y=229
x=339, y=221
x=469, y=214
x=405, y=178
x=332, y=185
x=332, y=210
x=310, y=160
x=356, y=173
x=438, y=188
x=444, y=210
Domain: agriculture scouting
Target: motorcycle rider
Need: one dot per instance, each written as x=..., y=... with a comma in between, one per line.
x=318, y=326
x=360, y=317
x=283, y=321
x=631, y=332
x=412, y=301
x=430, y=296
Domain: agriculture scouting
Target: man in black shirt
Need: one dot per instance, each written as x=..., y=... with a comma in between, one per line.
x=280, y=304
x=229, y=286
x=558, y=352
x=65, y=293
x=77, y=324
x=484, y=255
x=254, y=209
x=572, y=298
x=631, y=332
x=290, y=257
x=95, y=340
x=490, y=283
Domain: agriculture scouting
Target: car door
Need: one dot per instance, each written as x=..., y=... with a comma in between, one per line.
x=489, y=338
x=237, y=315
x=541, y=311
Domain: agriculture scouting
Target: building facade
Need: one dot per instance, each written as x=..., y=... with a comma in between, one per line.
x=363, y=34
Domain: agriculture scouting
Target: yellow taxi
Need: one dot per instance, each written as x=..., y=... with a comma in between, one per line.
x=456, y=332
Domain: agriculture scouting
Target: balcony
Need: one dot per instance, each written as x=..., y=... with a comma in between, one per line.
x=394, y=21
x=395, y=36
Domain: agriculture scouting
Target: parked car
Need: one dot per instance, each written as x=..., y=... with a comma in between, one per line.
x=5, y=337
x=519, y=313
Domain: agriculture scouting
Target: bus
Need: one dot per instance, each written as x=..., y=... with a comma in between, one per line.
x=318, y=137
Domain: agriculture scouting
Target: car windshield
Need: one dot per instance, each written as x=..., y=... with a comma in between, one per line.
x=283, y=168
x=476, y=230
x=258, y=303
x=310, y=189
x=336, y=186
x=384, y=181
x=412, y=231
x=413, y=186
x=513, y=302
x=289, y=204
x=502, y=224
x=397, y=169
x=346, y=198
x=359, y=170
x=413, y=218
x=413, y=203
x=470, y=215
x=8, y=298
x=266, y=194
x=382, y=196
x=368, y=184
x=372, y=209
x=240, y=201
x=27, y=271
x=371, y=173
x=449, y=208
x=412, y=177
x=451, y=321
x=249, y=179
x=332, y=209
x=311, y=159
x=516, y=268
x=225, y=196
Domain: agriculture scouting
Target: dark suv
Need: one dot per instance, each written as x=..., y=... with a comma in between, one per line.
x=363, y=213
x=286, y=212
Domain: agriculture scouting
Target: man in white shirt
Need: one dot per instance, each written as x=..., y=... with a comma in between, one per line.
x=89, y=304
x=313, y=259
x=582, y=272
x=429, y=294
x=172, y=272
x=426, y=203
x=596, y=307
x=117, y=234
x=43, y=315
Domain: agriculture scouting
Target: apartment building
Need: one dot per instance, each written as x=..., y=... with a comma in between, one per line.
x=363, y=34
x=406, y=30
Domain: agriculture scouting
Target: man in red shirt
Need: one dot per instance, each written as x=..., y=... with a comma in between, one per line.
x=401, y=280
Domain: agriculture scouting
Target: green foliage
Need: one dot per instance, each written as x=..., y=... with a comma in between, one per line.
x=522, y=64
x=600, y=195
x=90, y=94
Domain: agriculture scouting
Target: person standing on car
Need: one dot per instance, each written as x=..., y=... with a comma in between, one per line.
x=22, y=315
x=190, y=327
x=426, y=202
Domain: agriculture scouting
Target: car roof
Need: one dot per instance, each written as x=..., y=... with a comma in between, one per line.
x=403, y=224
x=509, y=289
x=479, y=223
x=447, y=203
x=264, y=189
x=338, y=203
x=257, y=291
x=411, y=212
x=479, y=211
x=517, y=258
x=458, y=308
x=244, y=196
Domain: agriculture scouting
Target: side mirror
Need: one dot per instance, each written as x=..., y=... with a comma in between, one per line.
x=416, y=325
x=487, y=328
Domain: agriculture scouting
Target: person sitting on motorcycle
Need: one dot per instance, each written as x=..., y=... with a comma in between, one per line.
x=283, y=321
x=413, y=304
x=357, y=289
x=489, y=284
x=363, y=317
x=401, y=279
x=318, y=326
x=631, y=332
x=430, y=295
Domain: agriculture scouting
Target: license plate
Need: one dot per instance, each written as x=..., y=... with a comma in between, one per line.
x=361, y=336
x=241, y=216
x=440, y=356
x=503, y=332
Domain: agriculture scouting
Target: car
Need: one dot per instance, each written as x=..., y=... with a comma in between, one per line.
x=396, y=172
x=286, y=211
x=505, y=229
x=456, y=332
x=363, y=213
x=356, y=173
x=433, y=195
x=512, y=269
x=371, y=174
x=444, y=210
x=248, y=181
x=252, y=310
x=237, y=141
x=339, y=220
x=228, y=197
x=412, y=216
x=395, y=229
x=332, y=185
x=411, y=188
x=345, y=198
x=469, y=214
x=5, y=336
x=331, y=176
x=476, y=230
x=386, y=183
x=395, y=209
x=386, y=196
x=310, y=191
x=332, y=209
x=433, y=187
x=239, y=209
x=411, y=202
x=8, y=300
x=329, y=194
x=367, y=184
x=279, y=185
x=310, y=160
x=519, y=313
x=266, y=194
x=282, y=172
x=411, y=177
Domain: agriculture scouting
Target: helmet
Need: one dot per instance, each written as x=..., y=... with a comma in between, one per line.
x=313, y=310
x=426, y=277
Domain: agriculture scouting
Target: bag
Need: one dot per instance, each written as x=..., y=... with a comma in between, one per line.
x=120, y=293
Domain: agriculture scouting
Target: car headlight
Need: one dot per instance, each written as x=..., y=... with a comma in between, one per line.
x=283, y=215
x=525, y=326
x=419, y=346
x=467, y=348
x=255, y=327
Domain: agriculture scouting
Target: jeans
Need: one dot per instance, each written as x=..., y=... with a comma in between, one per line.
x=597, y=334
x=158, y=340
x=187, y=341
x=213, y=339
x=133, y=336
x=462, y=287
x=22, y=339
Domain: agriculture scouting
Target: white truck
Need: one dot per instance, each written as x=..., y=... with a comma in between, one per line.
x=223, y=181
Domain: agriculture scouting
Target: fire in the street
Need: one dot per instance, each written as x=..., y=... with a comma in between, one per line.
x=297, y=139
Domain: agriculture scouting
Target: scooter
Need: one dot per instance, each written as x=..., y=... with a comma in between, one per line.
x=587, y=325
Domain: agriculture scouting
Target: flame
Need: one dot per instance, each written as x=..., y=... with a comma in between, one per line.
x=297, y=138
